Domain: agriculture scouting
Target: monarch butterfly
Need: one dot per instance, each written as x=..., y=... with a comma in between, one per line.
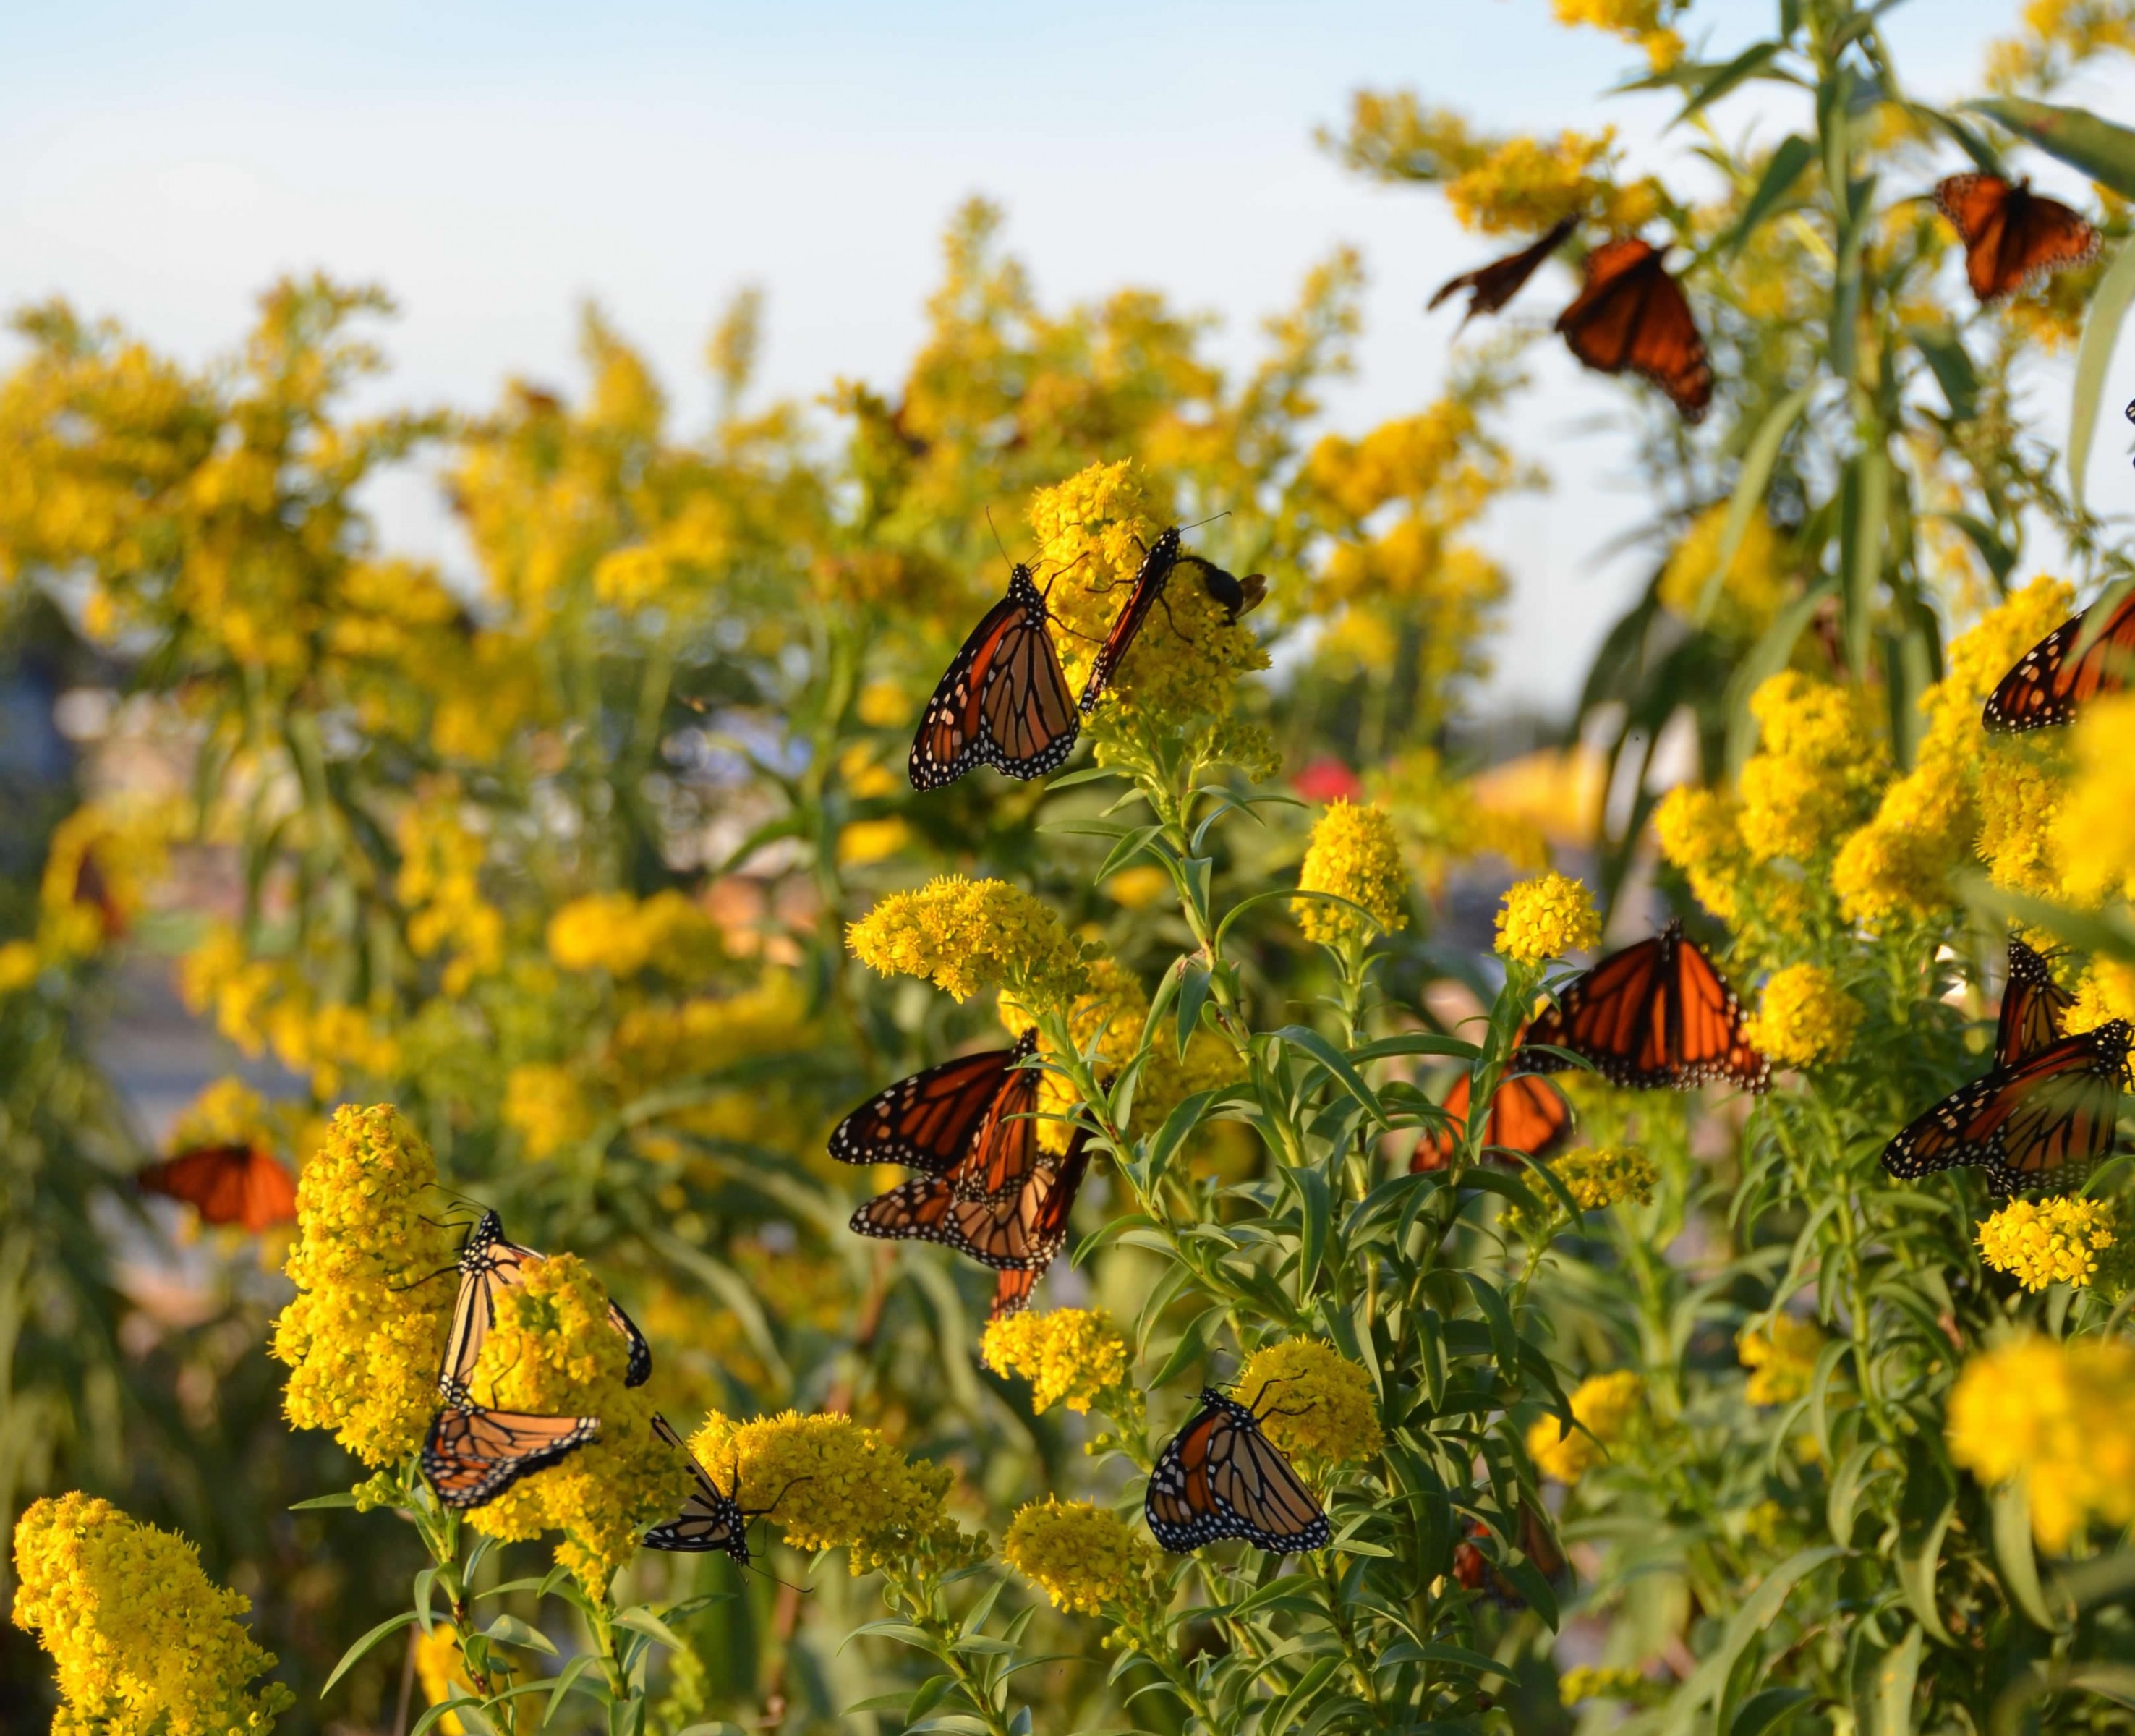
x=1631, y=314
x=2045, y=688
x=1492, y=286
x=226, y=1184
x=1004, y=700
x=2013, y=236
x=1220, y=1476
x=1151, y=579
x=928, y=1122
x=709, y=1519
x=2047, y=1119
x=1022, y=1229
x=1525, y=1115
x=2033, y=1006
x=90, y=888
x=1475, y=1570
x=471, y=1456
x=1656, y=1014
x=487, y=1260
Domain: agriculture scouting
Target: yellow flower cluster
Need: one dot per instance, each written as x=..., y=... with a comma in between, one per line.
x=2058, y=1416
x=2106, y=992
x=441, y=1666
x=1109, y=1014
x=1607, y=1407
x=656, y=1043
x=1781, y=1359
x=827, y=1482
x=100, y=863
x=1584, y=1682
x=1071, y=1356
x=1353, y=854
x=363, y=1334
x=260, y=1003
x=2056, y=36
x=1642, y=21
x=1545, y=917
x=1600, y=1176
x=2093, y=838
x=963, y=935
x=1510, y=811
x=622, y=935
x=1803, y=1016
x=1084, y=1556
x=439, y=885
x=1527, y=184
x=547, y=1108
x=142, y=1641
x=1818, y=771
x=226, y=1112
x=1700, y=831
x=1758, y=581
x=2045, y=1242
x=1312, y=1400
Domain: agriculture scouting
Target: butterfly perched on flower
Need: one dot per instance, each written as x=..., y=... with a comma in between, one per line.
x=710, y=1519
x=1526, y=1114
x=488, y=1260
x=2046, y=1120
x=1631, y=316
x=471, y=1456
x=2051, y=682
x=1653, y=1016
x=1492, y=286
x=1021, y=1231
x=1159, y=561
x=2034, y=1007
x=1004, y=701
x=2013, y=236
x=236, y=1183
x=1221, y=1476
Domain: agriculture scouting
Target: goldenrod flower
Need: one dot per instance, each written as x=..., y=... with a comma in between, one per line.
x=441, y=1666
x=1600, y=1176
x=827, y=1482
x=1353, y=853
x=1071, y=1356
x=2106, y=992
x=1546, y=917
x=1108, y=1015
x=2095, y=831
x=1584, y=1682
x=364, y=1335
x=1312, y=1400
x=622, y=935
x=1781, y=1359
x=1803, y=1016
x=1700, y=830
x=2045, y=1242
x=142, y=1641
x=2022, y=782
x=1758, y=580
x=963, y=935
x=1527, y=184
x=1642, y=21
x=1818, y=770
x=1084, y=1556
x=547, y=1106
x=2061, y=1418
x=226, y=1112
x=1607, y=1407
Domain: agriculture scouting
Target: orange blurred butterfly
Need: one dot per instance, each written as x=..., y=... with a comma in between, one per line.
x=1526, y=1115
x=1631, y=315
x=1477, y=1572
x=2047, y=1119
x=1021, y=1231
x=226, y=1184
x=2013, y=237
x=1004, y=700
x=709, y=1519
x=1220, y=1476
x=1654, y=1015
x=2045, y=688
x=2034, y=1007
x=1496, y=283
x=471, y=1456
x=1152, y=578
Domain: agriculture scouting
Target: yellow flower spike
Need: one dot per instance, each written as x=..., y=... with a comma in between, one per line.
x=1071, y=1356
x=1085, y=1558
x=1608, y=1408
x=1312, y=1400
x=364, y=1336
x=144, y=1643
x=1584, y=1682
x=2061, y=1418
x=1818, y=770
x=1781, y=1360
x=1353, y=853
x=2045, y=1242
x=1803, y=1017
x=1546, y=917
x=1601, y=1176
x=963, y=935
x=2093, y=840
x=1758, y=581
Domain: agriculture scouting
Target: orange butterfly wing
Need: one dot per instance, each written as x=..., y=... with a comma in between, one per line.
x=1496, y=283
x=1004, y=700
x=1005, y=1150
x=1708, y=1026
x=1630, y=314
x=227, y=1184
x=1220, y=1476
x=2049, y=682
x=1526, y=1115
x=928, y=1122
x=471, y=1456
x=2033, y=1007
x=1605, y=1015
x=2013, y=236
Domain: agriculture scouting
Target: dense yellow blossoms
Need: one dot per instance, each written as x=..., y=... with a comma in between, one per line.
x=1312, y=1400
x=2094, y=836
x=1084, y=1557
x=363, y=1334
x=2045, y=1242
x=2061, y=1418
x=1598, y=1177
x=2056, y=37
x=964, y=935
x=622, y=935
x=1818, y=771
x=1642, y=21
x=1803, y=1017
x=1546, y=917
x=1584, y=1682
x=1071, y=1356
x=2107, y=991
x=1781, y=1359
x=1758, y=580
x=1353, y=853
x=1607, y=1408
x=144, y=1643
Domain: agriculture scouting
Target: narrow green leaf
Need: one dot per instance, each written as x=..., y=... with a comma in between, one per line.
x=1301, y=1036
x=2115, y=1682
x=1925, y=1509
x=1194, y=982
x=1316, y=1200
x=1897, y=1674
x=2103, y=151
x=1758, y=1610
x=2101, y=330
x=1750, y=482
x=510, y=1631
x=349, y=1657
x=1504, y=1336
x=1781, y=171
x=344, y=1499
x=2013, y=1555
x=1745, y=65
x=1766, y=1713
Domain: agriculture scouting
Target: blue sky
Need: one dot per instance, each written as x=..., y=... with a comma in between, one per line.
x=495, y=165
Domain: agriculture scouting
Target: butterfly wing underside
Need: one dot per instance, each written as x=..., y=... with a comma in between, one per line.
x=1004, y=700
x=2033, y=1007
x=1220, y=1476
x=710, y=1519
x=926, y=1122
x=471, y=1456
x=2051, y=682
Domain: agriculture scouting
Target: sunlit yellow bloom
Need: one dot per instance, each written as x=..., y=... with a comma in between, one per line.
x=1818, y=771
x=19, y=965
x=622, y=935
x=439, y=883
x=1759, y=579
x=1608, y=1407
x=2022, y=784
x=1700, y=830
x=1312, y=1400
x=1642, y=21
x=1803, y=1016
x=1071, y=1356
x=1354, y=855
x=1781, y=1359
x=2045, y=1242
x=1084, y=1556
x=364, y=1335
x=1584, y=1682
x=142, y=1641
x=226, y=1112
x=442, y=1668
x=1598, y=1177
x=2106, y=992
x=1527, y=184
x=547, y=1108
x=1107, y=1018
x=2094, y=829
x=862, y=841
x=2061, y=1418
x=964, y=935
x=2056, y=36
x=1546, y=917
x=1138, y=888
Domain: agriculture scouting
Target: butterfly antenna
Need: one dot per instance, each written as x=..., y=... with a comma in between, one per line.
x=417, y=1283
x=1209, y=520
x=1063, y=573
x=998, y=543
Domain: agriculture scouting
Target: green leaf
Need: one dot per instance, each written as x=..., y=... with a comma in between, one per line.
x=2000, y=558
x=2101, y=329
x=1194, y=982
x=1504, y=1336
x=1896, y=1674
x=2013, y=1555
x=344, y=1499
x=1763, y=1713
x=1316, y=1202
x=1862, y=545
x=1951, y=364
x=349, y=1657
x=1129, y=845
x=510, y=1631
x=1192, y=1344
x=1750, y=482
x=2115, y=1682
x=1783, y=168
x=1335, y=1062
x=2103, y=151
x=1745, y=65
x=1756, y=1614
x=1925, y=1512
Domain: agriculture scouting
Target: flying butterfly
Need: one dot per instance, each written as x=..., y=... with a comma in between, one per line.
x=1631, y=315
x=1525, y=1115
x=1152, y=578
x=2013, y=236
x=2051, y=682
x=1492, y=286
x=488, y=1260
x=929, y=1120
x=1653, y=1016
x=226, y=1184
x=1004, y=700
x=2046, y=1120
x=1220, y=1476
x=1020, y=1231
x=710, y=1519
x=471, y=1456
x=2033, y=1007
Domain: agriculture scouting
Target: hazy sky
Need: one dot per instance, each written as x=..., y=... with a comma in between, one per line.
x=494, y=165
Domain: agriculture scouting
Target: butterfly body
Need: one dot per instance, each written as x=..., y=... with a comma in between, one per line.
x=488, y=1260
x=2050, y=682
x=1219, y=1476
x=1151, y=578
x=709, y=1519
x=226, y=1184
x=1004, y=700
x=1492, y=286
x=2013, y=237
x=1631, y=316
x=471, y=1456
